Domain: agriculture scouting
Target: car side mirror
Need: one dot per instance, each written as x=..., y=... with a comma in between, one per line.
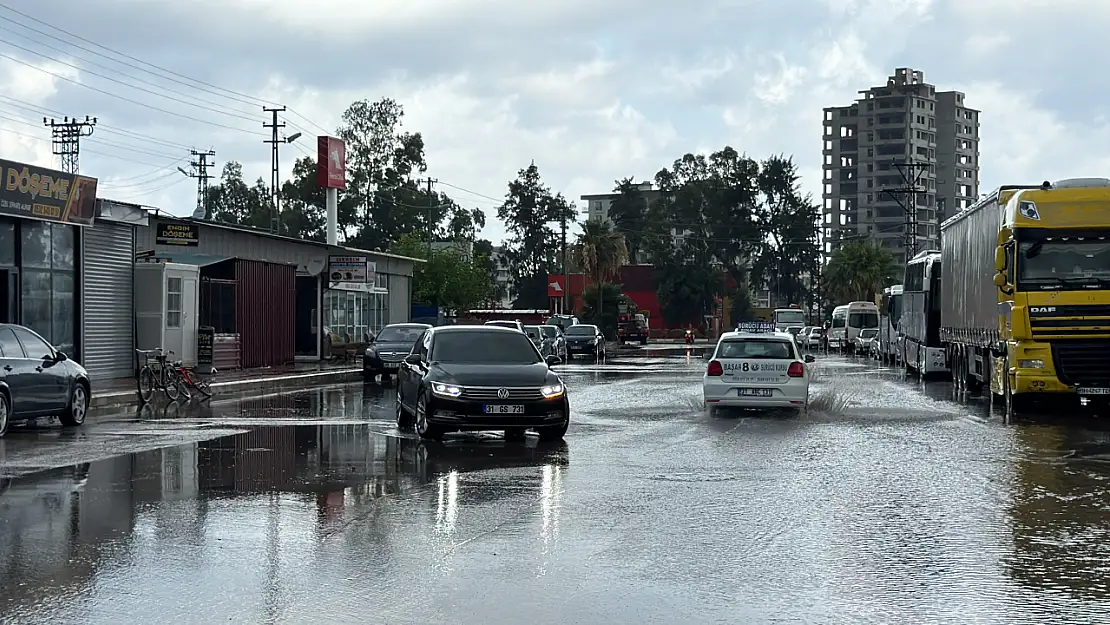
x=553, y=360
x=809, y=358
x=1000, y=280
x=61, y=356
x=1000, y=258
x=412, y=359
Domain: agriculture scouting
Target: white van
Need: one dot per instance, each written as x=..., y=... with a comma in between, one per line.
x=848, y=320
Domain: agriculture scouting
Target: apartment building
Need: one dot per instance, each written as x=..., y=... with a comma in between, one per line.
x=898, y=146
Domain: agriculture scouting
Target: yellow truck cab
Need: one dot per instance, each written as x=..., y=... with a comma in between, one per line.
x=1026, y=292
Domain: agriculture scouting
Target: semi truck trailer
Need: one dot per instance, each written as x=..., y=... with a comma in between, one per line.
x=1025, y=292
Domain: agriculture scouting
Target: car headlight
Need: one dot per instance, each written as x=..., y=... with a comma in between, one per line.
x=369, y=351
x=1031, y=364
x=552, y=391
x=446, y=390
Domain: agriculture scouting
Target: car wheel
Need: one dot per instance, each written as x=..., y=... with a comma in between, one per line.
x=554, y=432
x=423, y=427
x=78, y=407
x=404, y=417
x=5, y=413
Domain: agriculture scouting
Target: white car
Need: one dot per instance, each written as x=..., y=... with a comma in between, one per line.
x=755, y=369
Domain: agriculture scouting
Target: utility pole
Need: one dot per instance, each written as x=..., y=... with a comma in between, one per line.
x=66, y=139
x=566, y=267
x=911, y=179
x=432, y=201
x=275, y=172
x=200, y=172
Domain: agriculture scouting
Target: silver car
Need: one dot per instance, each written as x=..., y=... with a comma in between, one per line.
x=554, y=344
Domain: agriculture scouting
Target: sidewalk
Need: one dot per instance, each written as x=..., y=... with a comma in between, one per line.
x=124, y=392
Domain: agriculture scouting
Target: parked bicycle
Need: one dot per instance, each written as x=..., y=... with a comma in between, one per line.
x=193, y=379
x=157, y=373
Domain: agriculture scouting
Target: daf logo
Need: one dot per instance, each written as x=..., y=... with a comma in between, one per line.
x=502, y=393
x=1042, y=309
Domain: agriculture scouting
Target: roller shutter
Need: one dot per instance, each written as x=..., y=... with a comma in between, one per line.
x=108, y=300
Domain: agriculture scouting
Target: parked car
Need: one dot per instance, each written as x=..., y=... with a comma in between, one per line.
x=36, y=380
x=536, y=336
x=815, y=337
x=386, y=351
x=466, y=378
x=554, y=341
x=757, y=370
x=862, y=343
x=585, y=340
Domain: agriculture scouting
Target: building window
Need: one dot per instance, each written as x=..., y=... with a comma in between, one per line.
x=49, y=284
x=173, y=302
x=7, y=243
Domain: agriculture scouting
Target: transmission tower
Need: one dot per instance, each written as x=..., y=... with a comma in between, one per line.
x=200, y=172
x=65, y=138
x=911, y=185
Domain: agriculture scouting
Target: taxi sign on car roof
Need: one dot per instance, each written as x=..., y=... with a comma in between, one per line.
x=755, y=327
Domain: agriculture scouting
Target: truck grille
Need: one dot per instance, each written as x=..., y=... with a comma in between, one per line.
x=490, y=393
x=1083, y=364
x=1046, y=322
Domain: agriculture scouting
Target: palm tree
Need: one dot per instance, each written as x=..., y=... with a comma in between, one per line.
x=857, y=271
x=600, y=252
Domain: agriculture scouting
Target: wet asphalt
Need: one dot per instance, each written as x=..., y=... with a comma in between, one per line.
x=890, y=502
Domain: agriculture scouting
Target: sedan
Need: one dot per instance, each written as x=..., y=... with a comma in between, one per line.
x=473, y=378
x=386, y=351
x=37, y=380
x=554, y=344
x=586, y=340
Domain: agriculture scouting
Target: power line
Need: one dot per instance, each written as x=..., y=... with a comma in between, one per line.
x=200, y=172
x=42, y=110
x=85, y=150
x=66, y=139
x=97, y=140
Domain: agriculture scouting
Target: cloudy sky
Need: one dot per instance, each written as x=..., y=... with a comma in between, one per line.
x=592, y=90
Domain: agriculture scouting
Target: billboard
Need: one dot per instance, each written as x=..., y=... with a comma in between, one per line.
x=331, y=163
x=351, y=269
x=556, y=286
x=34, y=192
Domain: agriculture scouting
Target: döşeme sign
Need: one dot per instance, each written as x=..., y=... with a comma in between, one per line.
x=32, y=192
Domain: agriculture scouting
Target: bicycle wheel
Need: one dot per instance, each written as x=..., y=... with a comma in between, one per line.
x=146, y=384
x=203, y=386
x=169, y=384
x=178, y=381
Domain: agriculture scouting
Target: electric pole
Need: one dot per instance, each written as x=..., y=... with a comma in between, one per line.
x=275, y=172
x=431, y=214
x=200, y=172
x=566, y=267
x=911, y=179
x=66, y=139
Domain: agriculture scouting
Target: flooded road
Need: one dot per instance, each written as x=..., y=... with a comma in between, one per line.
x=889, y=503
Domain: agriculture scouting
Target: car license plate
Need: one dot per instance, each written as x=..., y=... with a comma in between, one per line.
x=392, y=365
x=1093, y=391
x=504, y=409
x=754, y=392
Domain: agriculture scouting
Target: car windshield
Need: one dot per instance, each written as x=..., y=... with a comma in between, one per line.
x=868, y=333
x=550, y=332
x=400, y=334
x=581, y=330
x=755, y=348
x=863, y=320
x=1073, y=264
x=532, y=331
x=484, y=347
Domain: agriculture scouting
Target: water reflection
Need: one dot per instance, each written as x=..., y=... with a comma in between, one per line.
x=247, y=508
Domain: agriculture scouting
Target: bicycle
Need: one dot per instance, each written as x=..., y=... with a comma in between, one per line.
x=193, y=379
x=157, y=374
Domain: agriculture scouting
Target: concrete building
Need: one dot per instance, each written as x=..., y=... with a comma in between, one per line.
x=903, y=130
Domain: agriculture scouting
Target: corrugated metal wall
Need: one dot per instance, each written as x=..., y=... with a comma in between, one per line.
x=265, y=313
x=107, y=333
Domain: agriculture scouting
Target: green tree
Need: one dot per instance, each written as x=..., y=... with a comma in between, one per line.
x=857, y=271
x=463, y=224
x=601, y=307
x=601, y=252
x=788, y=254
x=448, y=279
x=529, y=213
x=303, y=204
x=233, y=201
x=629, y=212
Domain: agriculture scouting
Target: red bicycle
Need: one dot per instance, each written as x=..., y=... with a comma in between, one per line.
x=194, y=380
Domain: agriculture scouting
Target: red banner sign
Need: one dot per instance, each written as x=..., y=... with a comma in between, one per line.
x=331, y=163
x=556, y=286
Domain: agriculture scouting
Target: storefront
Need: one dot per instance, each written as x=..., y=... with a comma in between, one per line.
x=40, y=212
x=357, y=310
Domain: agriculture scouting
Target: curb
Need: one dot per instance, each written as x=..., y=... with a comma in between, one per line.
x=120, y=399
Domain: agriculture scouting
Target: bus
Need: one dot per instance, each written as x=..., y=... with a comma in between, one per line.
x=789, y=317
x=919, y=325
x=848, y=319
x=890, y=310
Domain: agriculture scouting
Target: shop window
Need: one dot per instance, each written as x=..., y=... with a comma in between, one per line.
x=48, y=282
x=173, y=302
x=64, y=313
x=7, y=243
x=61, y=247
x=37, y=240
x=37, y=314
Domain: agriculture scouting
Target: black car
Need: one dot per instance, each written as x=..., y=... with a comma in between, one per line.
x=386, y=351
x=37, y=380
x=584, y=340
x=469, y=378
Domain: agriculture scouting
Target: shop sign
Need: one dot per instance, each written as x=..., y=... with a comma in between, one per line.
x=34, y=192
x=174, y=233
x=351, y=269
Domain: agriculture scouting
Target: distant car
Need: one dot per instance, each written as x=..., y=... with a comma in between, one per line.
x=536, y=335
x=37, y=380
x=515, y=325
x=813, y=338
x=862, y=343
x=384, y=355
x=562, y=321
x=554, y=343
x=465, y=378
x=584, y=339
x=757, y=370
